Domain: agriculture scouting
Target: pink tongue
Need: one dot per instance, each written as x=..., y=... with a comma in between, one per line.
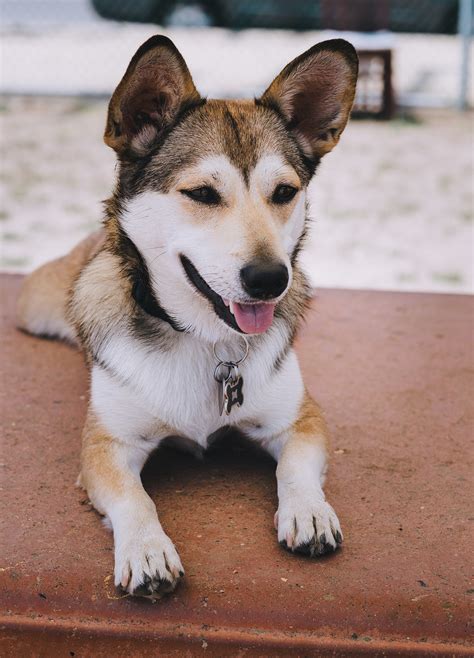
x=254, y=318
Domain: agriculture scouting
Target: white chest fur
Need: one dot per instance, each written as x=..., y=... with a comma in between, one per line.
x=151, y=393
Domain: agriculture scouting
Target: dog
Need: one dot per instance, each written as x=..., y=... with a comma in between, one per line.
x=187, y=301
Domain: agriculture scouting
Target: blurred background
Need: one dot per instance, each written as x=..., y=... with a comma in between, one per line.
x=392, y=206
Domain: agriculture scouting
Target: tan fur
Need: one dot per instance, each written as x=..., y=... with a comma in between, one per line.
x=310, y=422
x=100, y=298
x=43, y=300
x=97, y=462
x=308, y=430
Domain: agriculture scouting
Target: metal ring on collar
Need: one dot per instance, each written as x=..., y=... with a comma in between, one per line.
x=217, y=372
x=235, y=363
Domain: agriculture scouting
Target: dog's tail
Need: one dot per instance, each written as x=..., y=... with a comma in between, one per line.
x=44, y=296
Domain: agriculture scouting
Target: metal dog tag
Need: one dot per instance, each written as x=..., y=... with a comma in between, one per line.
x=230, y=381
x=230, y=387
x=233, y=390
x=221, y=374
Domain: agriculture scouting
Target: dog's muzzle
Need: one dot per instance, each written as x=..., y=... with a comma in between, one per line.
x=262, y=282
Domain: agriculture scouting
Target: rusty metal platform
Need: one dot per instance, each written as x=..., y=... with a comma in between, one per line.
x=394, y=373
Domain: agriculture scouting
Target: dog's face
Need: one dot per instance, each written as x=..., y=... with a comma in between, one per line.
x=214, y=191
x=222, y=206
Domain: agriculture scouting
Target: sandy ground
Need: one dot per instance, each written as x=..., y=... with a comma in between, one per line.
x=392, y=205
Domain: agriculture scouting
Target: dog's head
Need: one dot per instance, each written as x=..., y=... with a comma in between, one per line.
x=212, y=193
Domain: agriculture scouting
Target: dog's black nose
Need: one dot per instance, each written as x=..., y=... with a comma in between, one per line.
x=264, y=280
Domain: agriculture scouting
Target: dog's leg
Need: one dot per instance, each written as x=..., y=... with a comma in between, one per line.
x=146, y=562
x=305, y=521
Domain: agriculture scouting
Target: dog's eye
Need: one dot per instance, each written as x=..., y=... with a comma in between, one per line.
x=205, y=194
x=283, y=194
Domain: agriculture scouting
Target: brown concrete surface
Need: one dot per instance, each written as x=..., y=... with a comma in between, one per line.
x=394, y=375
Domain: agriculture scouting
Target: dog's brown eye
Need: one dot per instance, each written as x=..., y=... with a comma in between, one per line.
x=284, y=194
x=205, y=194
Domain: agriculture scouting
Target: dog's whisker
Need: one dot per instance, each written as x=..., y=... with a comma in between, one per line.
x=142, y=214
x=159, y=256
x=160, y=246
x=210, y=273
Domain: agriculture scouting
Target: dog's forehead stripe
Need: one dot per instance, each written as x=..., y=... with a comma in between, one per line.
x=240, y=130
x=240, y=139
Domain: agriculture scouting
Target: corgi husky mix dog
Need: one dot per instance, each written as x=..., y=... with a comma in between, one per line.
x=187, y=302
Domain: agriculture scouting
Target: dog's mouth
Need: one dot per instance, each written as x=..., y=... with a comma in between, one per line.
x=246, y=318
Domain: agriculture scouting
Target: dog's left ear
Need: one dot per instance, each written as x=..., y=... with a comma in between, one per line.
x=156, y=87
x=314, y=93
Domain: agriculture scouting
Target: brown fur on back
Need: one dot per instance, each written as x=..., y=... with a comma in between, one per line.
x=43, y=300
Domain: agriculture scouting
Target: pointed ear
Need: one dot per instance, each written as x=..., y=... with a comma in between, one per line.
x=314, y=93
x=155, y=88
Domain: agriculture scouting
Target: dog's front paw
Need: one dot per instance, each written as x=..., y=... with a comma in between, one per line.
x=310, y=527
x=147, y=564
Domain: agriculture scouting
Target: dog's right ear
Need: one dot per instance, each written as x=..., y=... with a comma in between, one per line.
x=155, y=88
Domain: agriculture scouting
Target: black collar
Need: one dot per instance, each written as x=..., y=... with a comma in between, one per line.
x=145, y=299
